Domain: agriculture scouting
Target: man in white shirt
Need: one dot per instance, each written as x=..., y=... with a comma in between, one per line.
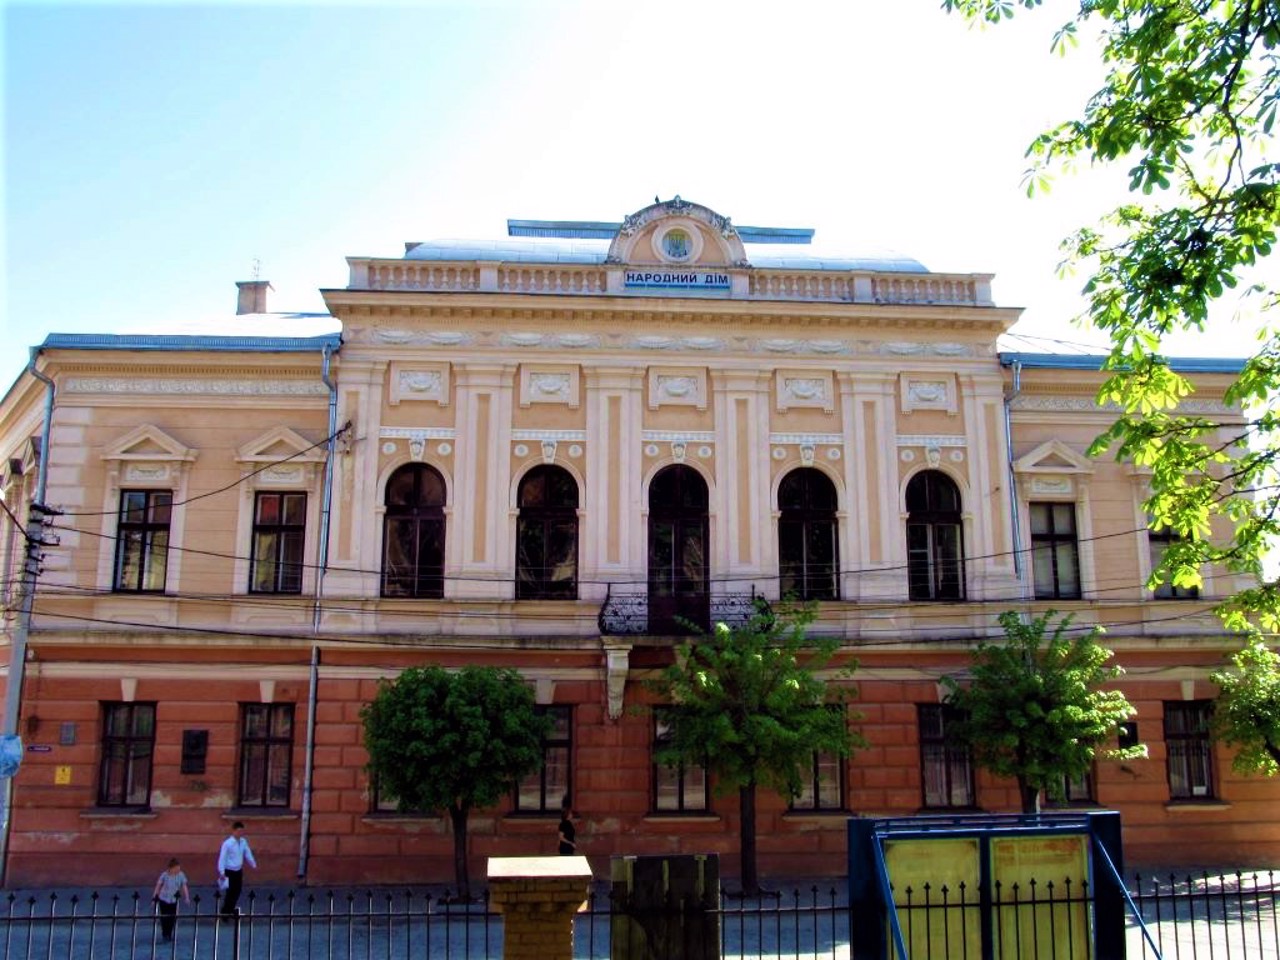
x=231, y=860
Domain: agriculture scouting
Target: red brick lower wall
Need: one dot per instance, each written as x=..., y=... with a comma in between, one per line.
x=59, y=835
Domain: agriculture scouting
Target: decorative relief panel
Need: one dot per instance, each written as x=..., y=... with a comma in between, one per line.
x=928, y=391
x=677, y=386
x=418, y=440
x=805, y=388
x=1060, y=486
x=434, y=338
x=932, y=447
x=808, y=446
x=420, y=381
x=146, y=473
x=155, y=386
x=549, y=384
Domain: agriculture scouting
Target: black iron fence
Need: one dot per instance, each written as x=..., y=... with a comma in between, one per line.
x=399, y=924
x=1205, y=917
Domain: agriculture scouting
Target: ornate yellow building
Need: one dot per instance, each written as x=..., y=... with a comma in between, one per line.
x=541, y=452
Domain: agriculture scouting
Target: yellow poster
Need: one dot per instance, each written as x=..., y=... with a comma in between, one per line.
x=1038, y=889
x=61, y=776
x=935, y=892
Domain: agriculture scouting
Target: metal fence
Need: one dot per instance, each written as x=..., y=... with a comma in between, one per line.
x=1206, y=917
x=399, y=924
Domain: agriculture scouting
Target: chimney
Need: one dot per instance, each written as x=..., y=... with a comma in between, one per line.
x=252, y=297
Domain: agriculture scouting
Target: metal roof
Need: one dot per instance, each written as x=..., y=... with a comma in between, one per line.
x=605, y=230
x=1069, y=361
x=586, y=250
x=167, y=342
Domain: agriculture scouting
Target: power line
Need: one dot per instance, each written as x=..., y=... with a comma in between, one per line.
x=223, y=489
x=632, y=580
x=421, y=641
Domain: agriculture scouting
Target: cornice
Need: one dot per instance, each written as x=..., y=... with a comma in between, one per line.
x=579, y=309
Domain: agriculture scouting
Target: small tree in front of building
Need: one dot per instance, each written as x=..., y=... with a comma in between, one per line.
x=453, y=741
x=747, y=702
x=1246, y=714
x=1034, y=708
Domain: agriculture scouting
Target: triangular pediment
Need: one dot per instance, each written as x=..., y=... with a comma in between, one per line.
x=1053, y=456
x=148, y=442
x=280, y=443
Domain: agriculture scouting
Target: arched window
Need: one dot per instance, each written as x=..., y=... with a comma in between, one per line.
x=413, y=533
x=547, y=536
x=678, y=586
x=935, y=543
x=808, y=555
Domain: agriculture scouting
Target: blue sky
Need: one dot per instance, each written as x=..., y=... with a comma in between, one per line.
x=152, y=152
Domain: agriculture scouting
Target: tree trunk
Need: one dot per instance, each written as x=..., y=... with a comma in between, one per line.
x=1030, y=796
x=460, y=874
x=747, y=837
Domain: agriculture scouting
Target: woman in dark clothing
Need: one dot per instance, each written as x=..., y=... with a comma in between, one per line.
x=568, y=835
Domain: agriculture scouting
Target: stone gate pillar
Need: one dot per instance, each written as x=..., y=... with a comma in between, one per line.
x=538, y=898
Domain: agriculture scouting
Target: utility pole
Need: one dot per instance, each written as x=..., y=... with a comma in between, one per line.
x=17, y=666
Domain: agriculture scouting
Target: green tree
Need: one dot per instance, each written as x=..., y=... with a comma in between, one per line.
x=455, y=741
x=1187, y=108
x=1247, y=712
x=748, y=703
x=1034, y=705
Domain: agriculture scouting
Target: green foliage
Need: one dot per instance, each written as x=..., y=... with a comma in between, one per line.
x=748, y=703
x=1247, y=712
x=452, y=741
x=1188, y=106
x=1035, y=708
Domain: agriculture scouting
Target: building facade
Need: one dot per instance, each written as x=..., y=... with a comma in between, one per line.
x=548, y=452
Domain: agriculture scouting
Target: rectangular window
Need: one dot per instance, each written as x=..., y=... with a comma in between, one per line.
x=1076, y=791
x=545, y=790
x=128, y=744
x=279, y=528
x=142, y=540
x=677, y=787
x=946, y=768
x=823, y=787
x=382, y=800
x=1055, y=552
x=1189, y=748
x=1158, y=543
x=266, y=754
x=935, y=561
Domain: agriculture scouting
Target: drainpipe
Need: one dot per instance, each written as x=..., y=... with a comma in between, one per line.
x=322, y=565
x=1018, y=562
x=18, y=641
x=304, y=841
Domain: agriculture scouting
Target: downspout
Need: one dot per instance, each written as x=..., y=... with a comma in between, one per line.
x=322, y=564
x=18, y=642
x=1018, y=570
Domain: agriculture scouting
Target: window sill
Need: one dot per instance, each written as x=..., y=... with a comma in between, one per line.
x=532, y=815
x=118, y=813
x=259, y=813
x=815, y=814
x=672, y=816
x=1193, y=804
x=390, y=818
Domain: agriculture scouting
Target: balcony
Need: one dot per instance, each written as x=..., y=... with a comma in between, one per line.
x=638, y=614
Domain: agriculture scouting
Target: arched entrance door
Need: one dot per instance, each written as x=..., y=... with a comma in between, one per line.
x=678, y=540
